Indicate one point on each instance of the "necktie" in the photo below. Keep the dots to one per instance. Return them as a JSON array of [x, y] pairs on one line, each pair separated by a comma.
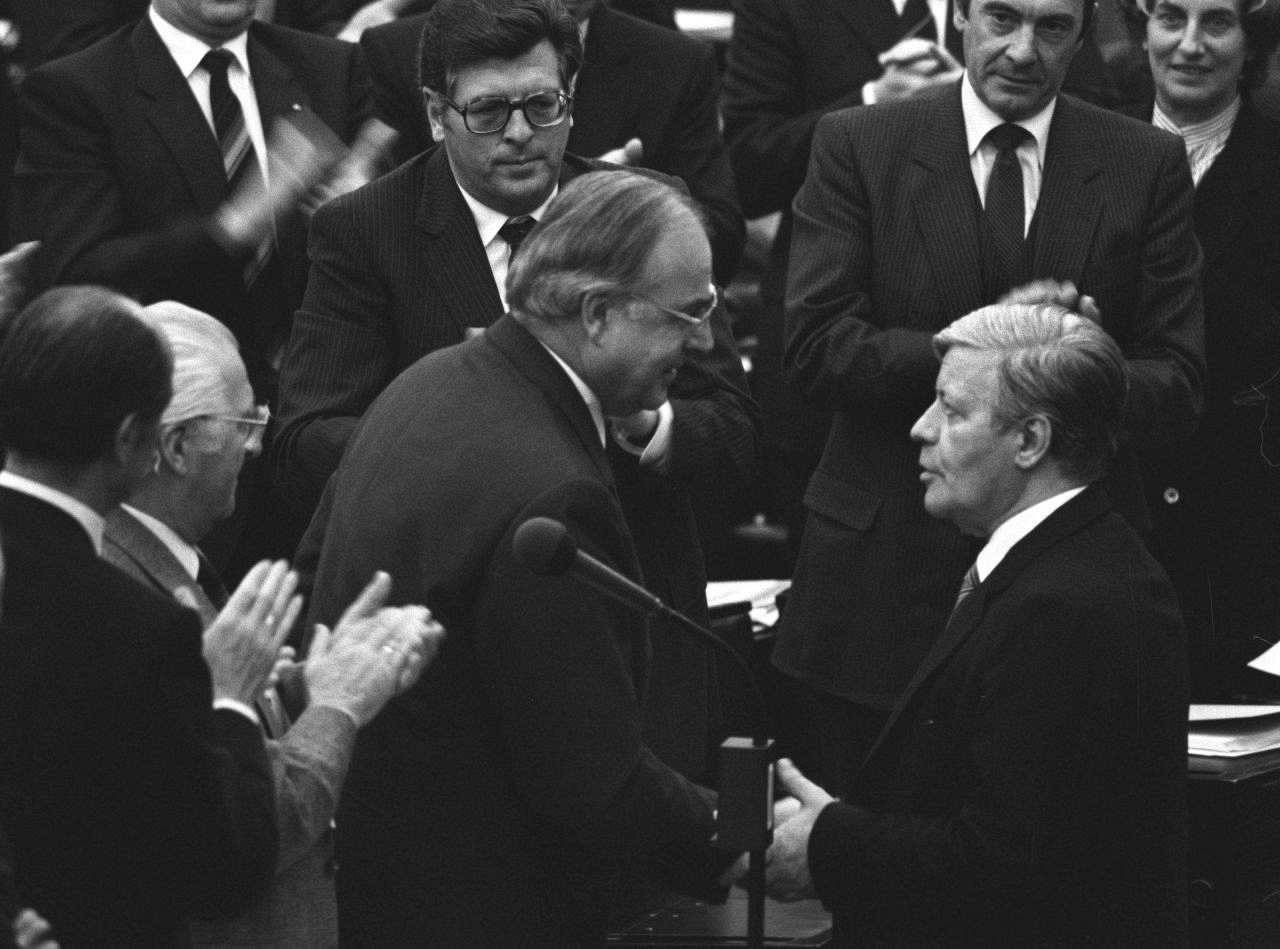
[[239, 160], [1004, 206], [916, 12], [967, 586], [515, 231], [208, 580]]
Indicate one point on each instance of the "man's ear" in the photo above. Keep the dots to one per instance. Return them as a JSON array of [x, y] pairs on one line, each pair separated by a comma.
[[1035, 435], [435, 113], [594, 312], [133, 437], [175, 448]]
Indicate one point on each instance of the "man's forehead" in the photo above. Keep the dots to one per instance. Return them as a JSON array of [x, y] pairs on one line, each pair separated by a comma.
[[967, 372], [538, 68], [1036, 9]]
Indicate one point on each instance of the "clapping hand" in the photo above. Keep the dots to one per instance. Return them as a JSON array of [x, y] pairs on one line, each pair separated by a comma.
[[242, 645]]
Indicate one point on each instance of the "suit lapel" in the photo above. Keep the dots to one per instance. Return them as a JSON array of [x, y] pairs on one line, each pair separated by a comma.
[[135, 541], [173, 112], [277, 89], [455, 260], [944, 206], [1223, 197], [1086, 507], [1071, 198]]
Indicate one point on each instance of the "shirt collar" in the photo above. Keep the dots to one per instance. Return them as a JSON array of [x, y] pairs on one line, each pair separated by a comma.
[[187, 50], [1197, 134], [589, 397], [1017, 527], [979, 119], [85, 516], [185, 553], [489, 221]]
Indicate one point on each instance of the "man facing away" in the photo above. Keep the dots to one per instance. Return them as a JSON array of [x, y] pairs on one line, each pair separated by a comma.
[[1030, 786]]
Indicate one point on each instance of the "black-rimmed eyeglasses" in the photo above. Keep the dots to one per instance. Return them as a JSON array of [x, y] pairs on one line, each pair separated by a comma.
[[489, 114]]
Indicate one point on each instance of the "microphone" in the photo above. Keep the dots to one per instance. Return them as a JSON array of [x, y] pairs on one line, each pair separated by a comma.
[[545, 547]]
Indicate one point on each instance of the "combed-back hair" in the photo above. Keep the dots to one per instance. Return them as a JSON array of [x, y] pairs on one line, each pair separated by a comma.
[[461, 33], [1055, 363], [74, 364], [1086, 15], [596, 237], [207, 369]]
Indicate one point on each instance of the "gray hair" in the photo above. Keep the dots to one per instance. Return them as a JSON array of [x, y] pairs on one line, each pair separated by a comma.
[[207, 368], [596, 237], [1054, 363]]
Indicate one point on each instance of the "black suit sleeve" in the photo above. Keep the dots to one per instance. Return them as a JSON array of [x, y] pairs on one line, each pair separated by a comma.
[[768, 123], [560, 663], [339, 357], [210, 795]]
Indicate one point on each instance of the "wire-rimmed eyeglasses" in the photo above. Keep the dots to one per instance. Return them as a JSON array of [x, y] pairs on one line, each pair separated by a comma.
[[691, 320]]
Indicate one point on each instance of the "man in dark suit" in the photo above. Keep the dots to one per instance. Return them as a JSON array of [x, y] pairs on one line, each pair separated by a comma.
[[644, 96], [499, 801], [135, 790], [912, 213], [791, 62], [418, 259], [206, 431], [122, 177], [1030, 786]]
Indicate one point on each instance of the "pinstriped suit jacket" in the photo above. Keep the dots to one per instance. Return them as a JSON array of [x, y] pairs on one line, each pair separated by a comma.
[[886, 253], [308, 766]]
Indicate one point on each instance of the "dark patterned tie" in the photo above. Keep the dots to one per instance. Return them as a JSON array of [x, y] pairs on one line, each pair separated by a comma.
[[515, 231], [239, 159], [209, 581], [1004, 205], [914, 13], [967, 586]]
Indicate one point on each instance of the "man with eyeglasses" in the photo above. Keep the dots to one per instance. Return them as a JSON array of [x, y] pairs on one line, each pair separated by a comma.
[[206, 430], [499, 801], [418, 260]]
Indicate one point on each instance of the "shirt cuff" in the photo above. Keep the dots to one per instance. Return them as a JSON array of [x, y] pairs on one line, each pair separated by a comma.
[[656, 453], [235, 705]]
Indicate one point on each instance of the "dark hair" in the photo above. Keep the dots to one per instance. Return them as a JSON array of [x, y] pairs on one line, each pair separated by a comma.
[[459, 33], [73, 365], [1055, 363], [596, 237], [1260, 23], [1086, 17]]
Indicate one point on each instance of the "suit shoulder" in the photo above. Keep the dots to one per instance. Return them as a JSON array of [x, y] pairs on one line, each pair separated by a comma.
[[287, 39], [641, 36], [575, 165], [1120, 131], [399, 36], [397, 191]]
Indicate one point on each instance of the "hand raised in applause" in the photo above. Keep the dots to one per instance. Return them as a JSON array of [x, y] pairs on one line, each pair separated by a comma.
[[374, 653], [1061, 292], [32, 931], [242, 645]]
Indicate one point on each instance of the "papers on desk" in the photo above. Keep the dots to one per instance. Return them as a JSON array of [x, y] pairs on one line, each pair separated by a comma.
[[1231, 731], [761, 594]]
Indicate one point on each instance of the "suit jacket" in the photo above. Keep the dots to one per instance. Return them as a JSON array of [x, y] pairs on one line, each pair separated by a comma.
[[637, 80], [119, 172], [1216, 500], [791, 62], [887, 252], [498, 800], [131, 803], [308, 765], [398, 271], [1030, 786]]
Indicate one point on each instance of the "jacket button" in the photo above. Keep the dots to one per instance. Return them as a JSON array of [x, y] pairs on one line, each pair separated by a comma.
[[1171, 496]]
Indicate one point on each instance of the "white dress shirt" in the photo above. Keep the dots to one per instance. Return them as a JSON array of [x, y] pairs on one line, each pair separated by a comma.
[[1016, 528], [488, 223], [187, 51], [85, 516], [979, 120]]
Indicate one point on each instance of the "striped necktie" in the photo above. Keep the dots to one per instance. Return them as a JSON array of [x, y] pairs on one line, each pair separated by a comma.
[[967, 586], [239, 159]]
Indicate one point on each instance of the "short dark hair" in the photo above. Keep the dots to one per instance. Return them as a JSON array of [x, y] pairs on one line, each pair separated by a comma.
[[73, 365], [596, 237], [1086, 17], [1055, 363], [1259, 20], [459, 33]]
